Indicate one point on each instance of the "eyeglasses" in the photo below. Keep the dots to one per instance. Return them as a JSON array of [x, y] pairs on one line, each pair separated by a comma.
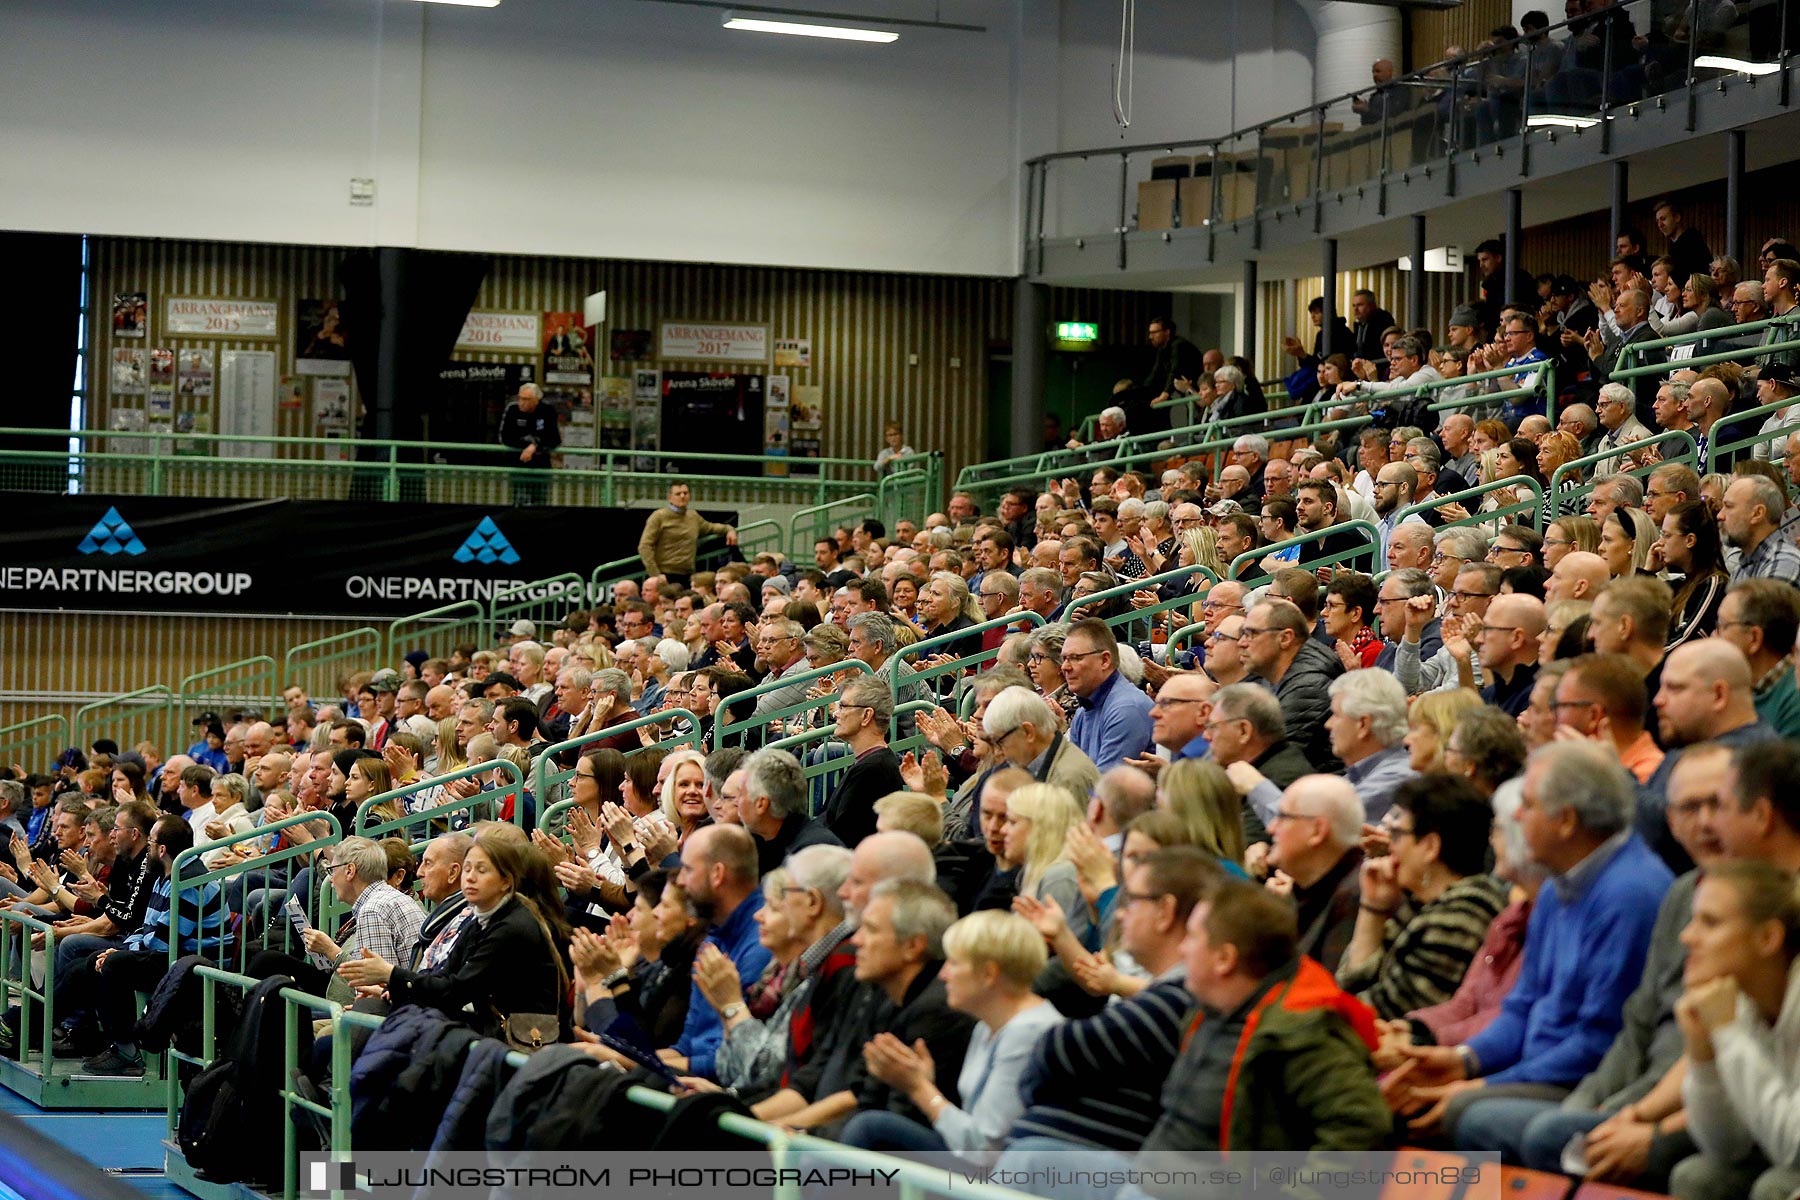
[[998, 738], [1558, 705], [1484, 630], [1559, 541], [1396, 832], [1282, 814], [1126, 896], [1461, 595], [1077, 656], [1250, 633], [1216, 636], [1172, 701], [1442, 555]]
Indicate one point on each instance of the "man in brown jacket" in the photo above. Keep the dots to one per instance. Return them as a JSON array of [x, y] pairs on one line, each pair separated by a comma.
[[672, 534]]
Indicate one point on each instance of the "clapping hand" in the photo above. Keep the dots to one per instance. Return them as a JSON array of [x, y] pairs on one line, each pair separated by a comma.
[[1096, 975], [717, 977], [574, 877], [367, 970], [901, 1067], [551, 848], [617, 823], [594, 956], [1094, 867]]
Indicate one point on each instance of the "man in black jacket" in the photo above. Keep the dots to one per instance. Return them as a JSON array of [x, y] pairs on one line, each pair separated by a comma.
[[899, 951], [864, 711], [529, 426], [1369, 321], [772, 806]]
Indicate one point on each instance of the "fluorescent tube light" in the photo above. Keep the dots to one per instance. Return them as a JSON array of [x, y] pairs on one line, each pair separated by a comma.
[[1721, 62], [842, 33], [466, 3], [1561, 121]]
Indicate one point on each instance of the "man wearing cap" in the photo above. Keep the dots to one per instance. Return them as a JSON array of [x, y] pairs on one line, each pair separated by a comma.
[[386, 686], [520, 631], [1776, 383], [671, 537], [209, 751]]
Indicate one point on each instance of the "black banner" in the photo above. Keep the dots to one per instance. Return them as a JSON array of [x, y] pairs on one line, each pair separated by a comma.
[[325, 557]]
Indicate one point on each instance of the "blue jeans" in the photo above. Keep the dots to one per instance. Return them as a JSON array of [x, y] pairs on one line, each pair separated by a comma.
[[1501, 1123], [889, 1131]]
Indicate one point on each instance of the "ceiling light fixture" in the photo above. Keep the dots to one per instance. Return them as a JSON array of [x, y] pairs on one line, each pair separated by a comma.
[[466, 3], [731, 19], [1561, 121], [1722, 62]]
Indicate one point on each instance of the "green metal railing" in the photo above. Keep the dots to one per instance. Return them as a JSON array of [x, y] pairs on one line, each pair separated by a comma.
[[1621, 374], [1570, 499], [316, 665], [1637, 349], [733, 732], [145, 714], [1127, 625], [464, 620], [1528, 508], [1716, 450], [927, 677], [249, 682], [483, 805], [319, 903], [549, 778], [19, 744], [810, 524], [1371, 548], [139, 462], [900, 495]]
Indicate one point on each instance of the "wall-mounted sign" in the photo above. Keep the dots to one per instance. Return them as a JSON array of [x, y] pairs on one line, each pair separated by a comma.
[[195, 316], [501, 331], [1443, 260], [793, 352], [694, 341], [1077, 331]]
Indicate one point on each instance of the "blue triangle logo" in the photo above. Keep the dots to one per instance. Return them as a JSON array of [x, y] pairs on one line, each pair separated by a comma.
[[111, 535], [486, 545]]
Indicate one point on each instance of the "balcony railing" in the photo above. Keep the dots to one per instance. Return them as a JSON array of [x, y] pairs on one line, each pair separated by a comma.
[[1580, 75]]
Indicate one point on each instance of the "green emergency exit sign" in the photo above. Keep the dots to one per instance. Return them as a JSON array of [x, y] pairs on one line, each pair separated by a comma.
[[1077, 331]]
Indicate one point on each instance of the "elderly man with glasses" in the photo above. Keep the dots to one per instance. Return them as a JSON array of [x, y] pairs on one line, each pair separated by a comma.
[[1616, 407], [1473, 589]]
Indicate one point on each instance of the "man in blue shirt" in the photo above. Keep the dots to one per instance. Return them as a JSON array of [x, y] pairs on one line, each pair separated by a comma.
[[196, 924], [1113, 722], [1584, 952], [718, 876]]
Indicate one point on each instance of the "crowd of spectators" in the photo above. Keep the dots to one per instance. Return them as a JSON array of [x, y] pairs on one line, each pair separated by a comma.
[[1254, 854]]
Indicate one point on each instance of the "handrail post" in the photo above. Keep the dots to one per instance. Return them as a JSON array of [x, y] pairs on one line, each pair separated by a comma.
[[1605, 90], [1124, 185], [1693, 53], [1524, 133], [393, 474], [156, 464], [1782, 55], [1547, 379], [1381, 162], [1318, 177], [608, 489], [1217, 204]]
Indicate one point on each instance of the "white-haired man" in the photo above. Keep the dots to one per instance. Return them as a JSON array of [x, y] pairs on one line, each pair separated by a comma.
[[773, 807], [1315, 850], [1020, 725], [1366, 725]]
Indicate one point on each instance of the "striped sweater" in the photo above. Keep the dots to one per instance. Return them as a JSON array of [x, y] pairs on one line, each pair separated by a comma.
[[200, 925], [1098, 1081], [1426, 948]]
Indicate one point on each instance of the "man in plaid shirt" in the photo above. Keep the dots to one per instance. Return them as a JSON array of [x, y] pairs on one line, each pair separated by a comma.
[[1750, 516]]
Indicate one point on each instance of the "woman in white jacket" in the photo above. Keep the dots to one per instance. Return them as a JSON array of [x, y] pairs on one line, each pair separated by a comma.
[[1740, 1018]]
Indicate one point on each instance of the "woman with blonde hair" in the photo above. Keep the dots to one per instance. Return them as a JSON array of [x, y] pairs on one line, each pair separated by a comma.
[[449, 757], [1556, 449], [1566, 535], [990, 961], [1430, 721], [1626, 539], [1038, 819], [946, 607], [1203, 797], [684, 792]]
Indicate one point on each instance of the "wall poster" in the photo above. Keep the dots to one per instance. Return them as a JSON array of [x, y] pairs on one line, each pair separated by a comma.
[[646, 416], [293, 393], [162, 370], [130, 314], [568, 365], [776, 434], [130, 370], [320, 345], [195, 371], [793, 352], [614, 402], [806, 422], [129, 420]]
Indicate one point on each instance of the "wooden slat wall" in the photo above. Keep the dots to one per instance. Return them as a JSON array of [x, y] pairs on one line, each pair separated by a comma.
[[1467, 25], [1277, 318], [1582, 246], [864, 326], [246, 271]]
